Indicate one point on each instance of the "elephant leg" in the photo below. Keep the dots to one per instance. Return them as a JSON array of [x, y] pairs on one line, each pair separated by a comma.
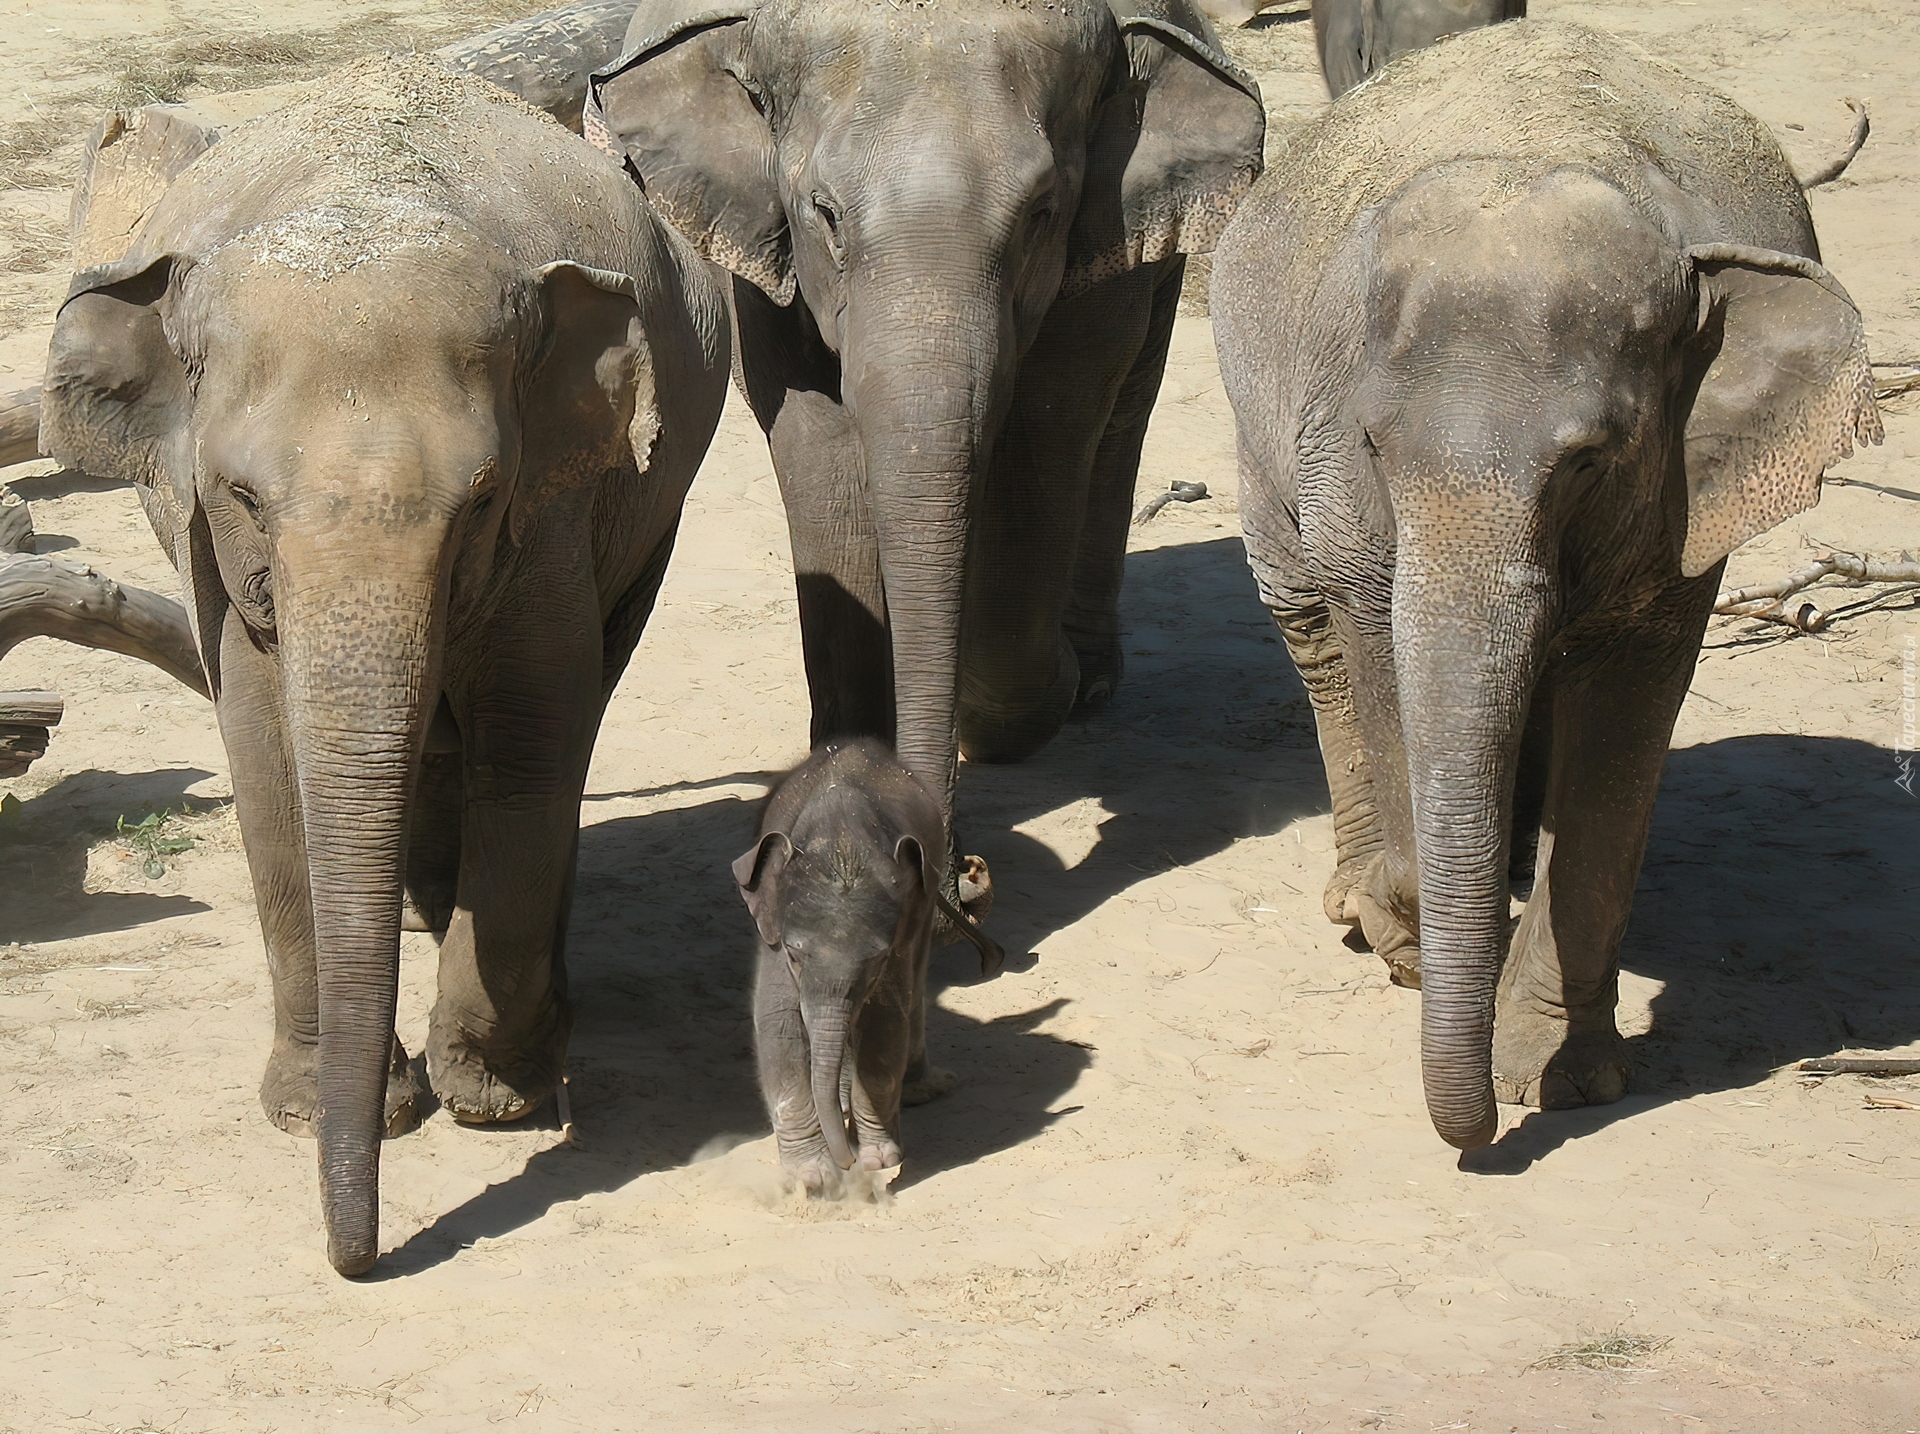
[[782, 1053], [923, 1080], [1092, 621], [267, 798], [1358, 836], [883, 1032], [1019, 673], [1555, 1043], [1384, 898], [529, 705]]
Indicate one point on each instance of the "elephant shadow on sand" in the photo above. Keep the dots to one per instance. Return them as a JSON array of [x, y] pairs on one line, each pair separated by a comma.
[[43, 858], [1776, 910]]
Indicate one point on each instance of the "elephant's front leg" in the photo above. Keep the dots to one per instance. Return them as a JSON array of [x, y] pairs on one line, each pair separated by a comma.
[[882, 1033], [1019, 673], [267, 797], [781, 1050], [1555, 1043], [528, 705]]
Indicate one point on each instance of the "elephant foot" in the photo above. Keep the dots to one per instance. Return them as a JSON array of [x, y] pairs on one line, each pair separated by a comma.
[[1392, 940], [1101, 665], [1013, 720], [879, 1155], [290, 1090], [1541, 1060], [481, 1086], [926, 1082], [1340, 900]]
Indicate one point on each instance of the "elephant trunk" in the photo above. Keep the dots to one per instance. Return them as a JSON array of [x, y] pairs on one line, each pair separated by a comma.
[[1468, 636], [827, 1023], [926, 418], [360, 659]]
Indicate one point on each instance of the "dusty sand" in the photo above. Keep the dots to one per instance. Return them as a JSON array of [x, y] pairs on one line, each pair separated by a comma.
[[1187, 1183]]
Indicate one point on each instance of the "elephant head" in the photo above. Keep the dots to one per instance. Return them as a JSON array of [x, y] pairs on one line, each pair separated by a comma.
[[1551, 433], [336, 419], [930, 180]]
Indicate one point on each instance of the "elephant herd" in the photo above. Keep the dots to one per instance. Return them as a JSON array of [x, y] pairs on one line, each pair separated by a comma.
[[1523, 335]]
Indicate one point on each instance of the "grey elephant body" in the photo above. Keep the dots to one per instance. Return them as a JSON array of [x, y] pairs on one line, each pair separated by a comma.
[[957, 233], [1357, 37], [844, 885], [1522, 338], [413, 385]]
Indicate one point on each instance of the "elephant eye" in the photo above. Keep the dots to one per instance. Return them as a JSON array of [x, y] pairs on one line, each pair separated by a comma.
[[830, 222], [247, 500]]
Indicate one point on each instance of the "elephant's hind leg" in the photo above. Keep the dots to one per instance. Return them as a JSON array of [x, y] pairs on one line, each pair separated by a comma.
[[1092, 621]]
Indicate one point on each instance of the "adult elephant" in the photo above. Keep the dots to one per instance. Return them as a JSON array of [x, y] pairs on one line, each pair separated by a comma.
[[413, 384], [957, 233], [1357, 37], [1527, 337]]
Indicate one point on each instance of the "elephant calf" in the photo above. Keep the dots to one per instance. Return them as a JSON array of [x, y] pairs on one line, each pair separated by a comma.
[[1529, 332], [843, 885], [413, 384]]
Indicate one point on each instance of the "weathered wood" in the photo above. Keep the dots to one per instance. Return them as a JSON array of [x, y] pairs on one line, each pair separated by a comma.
[[546, 58], [16, 523], [44, 597], [19, 426], [1860, 1065], [31, 709]]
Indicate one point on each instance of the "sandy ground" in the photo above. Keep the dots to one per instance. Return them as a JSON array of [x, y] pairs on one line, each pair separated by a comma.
[[1187, 1183]]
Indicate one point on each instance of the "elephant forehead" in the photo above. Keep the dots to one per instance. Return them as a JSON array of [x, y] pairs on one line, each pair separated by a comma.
[[313, 294], [1555, 268], [934, 37]]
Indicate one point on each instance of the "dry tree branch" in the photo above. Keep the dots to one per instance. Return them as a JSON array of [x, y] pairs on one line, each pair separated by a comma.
[[1767, 601]]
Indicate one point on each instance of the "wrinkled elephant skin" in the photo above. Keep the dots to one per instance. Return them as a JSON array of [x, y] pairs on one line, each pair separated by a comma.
[[412, 384], [1531, 332]]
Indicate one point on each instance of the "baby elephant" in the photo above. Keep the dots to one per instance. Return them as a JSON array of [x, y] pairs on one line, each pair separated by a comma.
[[843, 885]]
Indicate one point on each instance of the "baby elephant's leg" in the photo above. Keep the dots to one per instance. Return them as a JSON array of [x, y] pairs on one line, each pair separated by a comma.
[[882, 1035], [780, 1047]]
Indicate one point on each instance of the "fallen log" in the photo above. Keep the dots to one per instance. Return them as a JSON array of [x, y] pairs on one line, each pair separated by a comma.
[[44, 597], [20, 426], [16, 523], [546, 58], [25, 718], [1860, 1065]]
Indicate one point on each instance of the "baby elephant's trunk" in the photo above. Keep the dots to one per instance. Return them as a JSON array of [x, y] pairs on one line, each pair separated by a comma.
[[827, 1048]]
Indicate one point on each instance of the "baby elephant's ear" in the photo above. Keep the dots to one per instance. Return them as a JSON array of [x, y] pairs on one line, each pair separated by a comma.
[[758, 874], [1786, 391], [911, 854]]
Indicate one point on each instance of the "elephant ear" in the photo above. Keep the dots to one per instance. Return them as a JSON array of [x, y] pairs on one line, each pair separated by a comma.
[[681, 111], [1787, 391], [758, 876], [590, 401], [117, 400], [1174, 146], [132, 157]]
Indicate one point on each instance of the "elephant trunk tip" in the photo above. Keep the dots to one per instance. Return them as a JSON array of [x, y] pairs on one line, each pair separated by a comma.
[[352, 1256], [1466, 1124]]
